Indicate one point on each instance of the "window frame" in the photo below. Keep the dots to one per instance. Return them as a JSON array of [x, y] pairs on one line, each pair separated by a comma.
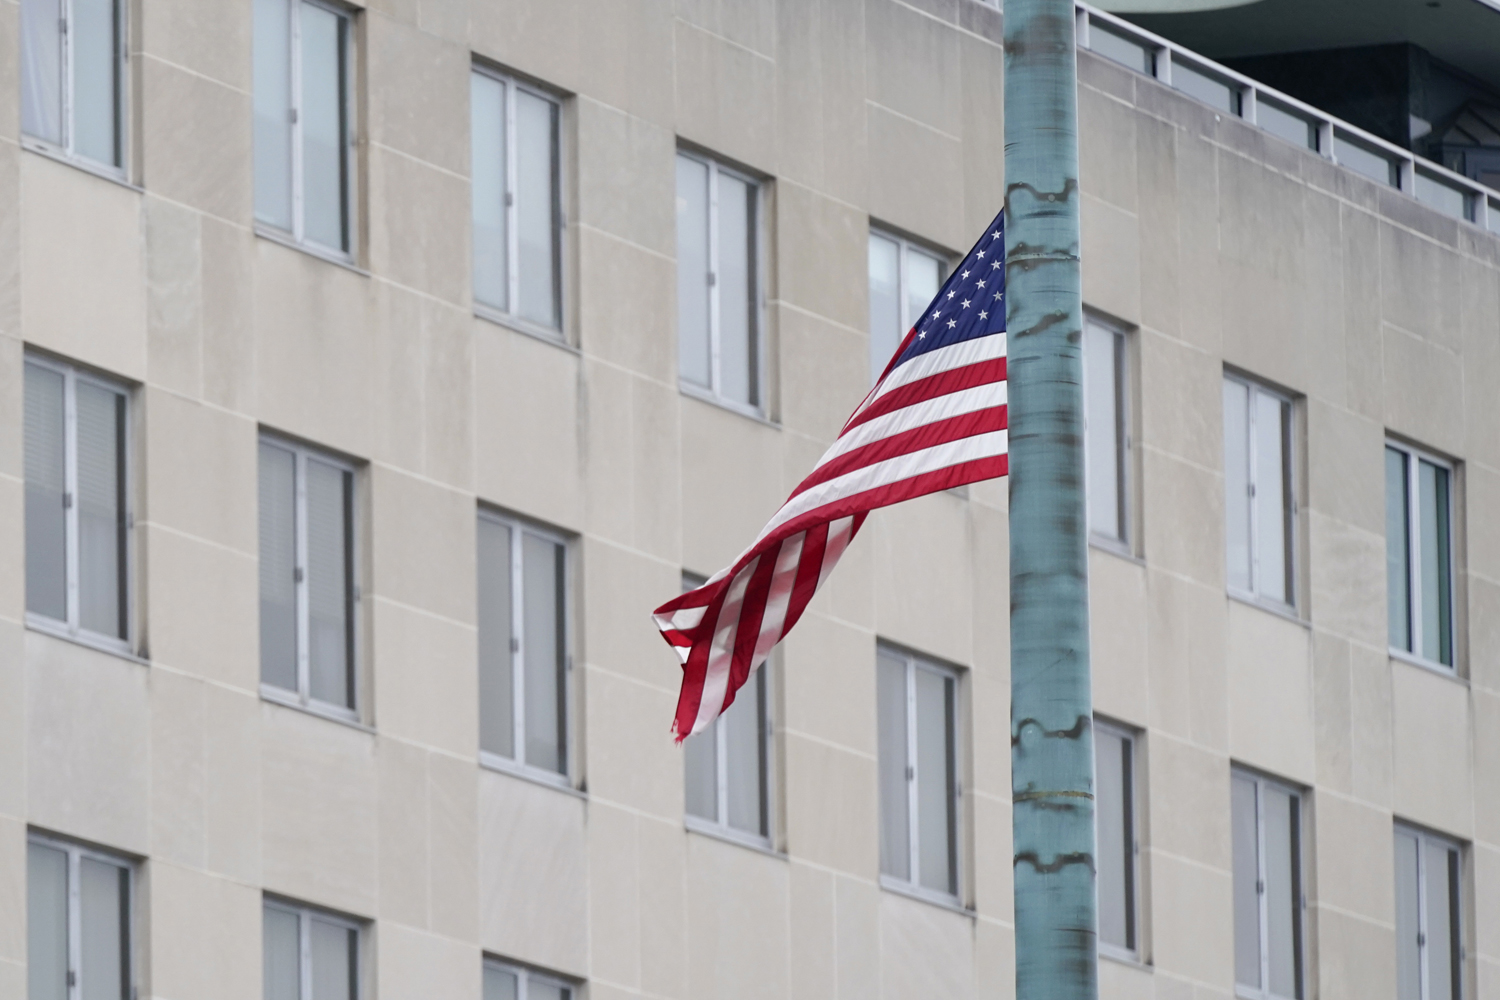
[[75, 853], [1424, 839], [302, 698], [305, 915], [1290, 460], [913, 886], [713, 392], [72, 628], [904, 246], [525, 975], [510, 317], [517, 765], [1132, 738], [67, 151], [1299, 868], [1414, 457], [1124, 543]]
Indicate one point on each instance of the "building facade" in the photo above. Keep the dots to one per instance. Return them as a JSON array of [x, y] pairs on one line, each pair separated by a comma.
[[369, 371]]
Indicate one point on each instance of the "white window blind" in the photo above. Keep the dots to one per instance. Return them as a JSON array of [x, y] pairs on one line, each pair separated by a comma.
[[308, 954], [1258, 504], [1419, 553], [1266, 827], [1429, 949], [78, 904], [904, 279], [72, 61]]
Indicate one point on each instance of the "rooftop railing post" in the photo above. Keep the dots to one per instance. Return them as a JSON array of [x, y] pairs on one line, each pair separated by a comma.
[[1052, 745]]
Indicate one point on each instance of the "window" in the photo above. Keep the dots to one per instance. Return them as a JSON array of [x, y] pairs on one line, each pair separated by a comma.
[[1114, 804], [307, 574], [904, 280], [517, 201], [1106, 431], [1258, 507], [78, 923], [72, 57], [1267, 828], [303, 133], [1429, 953], [509, 982], [523, 644], [917, 702], [718, 281], [1419, 553], [308, 954], [77, 513]]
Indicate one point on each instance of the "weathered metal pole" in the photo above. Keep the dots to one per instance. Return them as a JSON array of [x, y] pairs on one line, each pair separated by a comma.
[[1052, 739]]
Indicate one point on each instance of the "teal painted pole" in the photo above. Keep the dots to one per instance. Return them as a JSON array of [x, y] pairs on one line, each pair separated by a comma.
[[1052, 738]]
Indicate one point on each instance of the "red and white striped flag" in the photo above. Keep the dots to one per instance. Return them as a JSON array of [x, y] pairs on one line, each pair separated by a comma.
[[935, 419]]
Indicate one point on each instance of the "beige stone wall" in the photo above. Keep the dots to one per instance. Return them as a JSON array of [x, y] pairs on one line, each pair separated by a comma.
[[1218, 245]]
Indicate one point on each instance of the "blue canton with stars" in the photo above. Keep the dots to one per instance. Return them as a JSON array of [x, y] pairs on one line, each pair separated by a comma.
[[972, 301]]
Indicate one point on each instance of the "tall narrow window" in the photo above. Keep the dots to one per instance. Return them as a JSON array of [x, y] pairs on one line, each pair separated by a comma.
[[1260, 526], [77, 517], [917, 703], [1429, 950], [78, 923], [307, 581], [303, 133], [1267, 827], [511, 982], [1419, 553], [1106, 431], [307, 954], [517, 200], [904, 279], [718, 281], [72, 56], [523, 644], [1114, 804]]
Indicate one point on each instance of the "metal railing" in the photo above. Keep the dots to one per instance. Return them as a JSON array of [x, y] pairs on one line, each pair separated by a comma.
[[1287, 118]]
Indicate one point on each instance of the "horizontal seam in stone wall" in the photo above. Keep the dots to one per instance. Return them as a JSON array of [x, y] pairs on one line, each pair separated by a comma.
[[915, 121], [152, 57]]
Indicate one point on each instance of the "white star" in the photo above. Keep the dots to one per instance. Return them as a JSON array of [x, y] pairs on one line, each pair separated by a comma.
[[981, 284], [966, 303], [983, 314], [935, 314], [922, 334], [980, 255], [950, 295], [994, 264], [966, 274], [995, 234], [952, 324], [997, 295]]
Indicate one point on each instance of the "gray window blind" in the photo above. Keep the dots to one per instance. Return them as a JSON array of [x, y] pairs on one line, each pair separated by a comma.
[[278, 567], [322, 115], [537, 206], [1114, 805], [273, 113], [917, 704], [46, 494], [78, 924], [543, 644], [101, 510], [1105, 430], [281, 957], [1266, 825], [487, 101], [330, 583], [694, 342], [46, 923], [496, 684]]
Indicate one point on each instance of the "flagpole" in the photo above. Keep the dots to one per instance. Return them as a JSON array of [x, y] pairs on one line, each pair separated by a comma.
[[1052, 740]]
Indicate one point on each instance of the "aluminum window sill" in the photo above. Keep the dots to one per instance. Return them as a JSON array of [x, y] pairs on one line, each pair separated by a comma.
[[546, 335], [289, 699], [1282, 611], [99, 644], [1116, 548], [1431, 666], [748, 412], [537, 776], [695, 824], [941, 900], [115, 175], [274, 235], [1122, 957]]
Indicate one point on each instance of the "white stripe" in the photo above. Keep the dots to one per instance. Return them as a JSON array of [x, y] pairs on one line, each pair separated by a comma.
[[721, 654], [686, 618], [943, 359], [929, 411], [839, 533], [778, 597]]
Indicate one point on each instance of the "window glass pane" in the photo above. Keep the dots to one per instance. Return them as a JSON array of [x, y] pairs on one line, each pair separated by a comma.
[[1408, 955], [1215, 93], [101, 510], [1285, 124], [322, 113], [1437, 577], [103, 895], [331, 950], [544, 991], [935, 813], [543, 645], [1442, 950], [1102, 431], [499, 984], [895, 843], [692, 272], [1441, 195], [46, 923], [701, 756], [1237, 482], [1283, 903], [1121, 50], [273, 113], [736, 280], [744, 751], [924, 275], [885, 303], [46, 517], [1397, 551], [278, 567], [281, 960], [1116, 843], [487, 119], [330, 579], [1246, 874], [1272, 497], [96, 80], [536, 208], [496, 680], [41, 69], [1363, 160]]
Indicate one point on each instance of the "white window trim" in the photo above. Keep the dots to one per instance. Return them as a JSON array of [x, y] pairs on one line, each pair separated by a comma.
[[1299, 941], [1124, 402], [913, 886], [305, 915], [720, 827], [524, 977], [1289, 461], [1414, 457], [903, 247], [75, 854], [66, 150], [517, 765], [1132, 804], [510, 317], [1424, 953], [713, 392], [71, 628], [302, 697]]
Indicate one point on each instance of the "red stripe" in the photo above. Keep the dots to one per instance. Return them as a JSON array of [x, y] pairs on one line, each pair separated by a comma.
[[752, 611], [941, 384], [926, 436]]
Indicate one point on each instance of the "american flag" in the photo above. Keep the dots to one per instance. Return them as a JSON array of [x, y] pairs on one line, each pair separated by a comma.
[[935, 419]]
